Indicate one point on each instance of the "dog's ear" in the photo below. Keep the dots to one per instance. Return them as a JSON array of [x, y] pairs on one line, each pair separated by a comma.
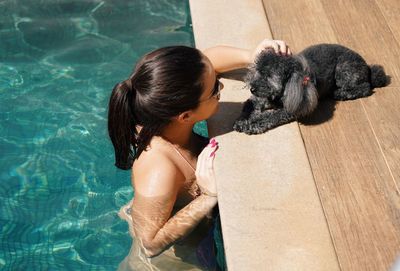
[[293, 96], [300, 96]]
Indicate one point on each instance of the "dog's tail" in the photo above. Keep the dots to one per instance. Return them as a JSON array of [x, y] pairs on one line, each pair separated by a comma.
[[378, 77]]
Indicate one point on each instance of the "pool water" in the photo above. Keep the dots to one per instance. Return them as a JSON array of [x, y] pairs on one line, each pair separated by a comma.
[[59, 189]]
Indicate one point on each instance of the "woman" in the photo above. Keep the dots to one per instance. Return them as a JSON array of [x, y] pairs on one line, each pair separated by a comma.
[[150, 121]]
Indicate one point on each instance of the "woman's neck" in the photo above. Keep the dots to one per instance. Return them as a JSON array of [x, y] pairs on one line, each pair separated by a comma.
[[179, 134]]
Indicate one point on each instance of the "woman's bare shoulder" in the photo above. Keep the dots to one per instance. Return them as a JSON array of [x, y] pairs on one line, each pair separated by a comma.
[[155, 173]]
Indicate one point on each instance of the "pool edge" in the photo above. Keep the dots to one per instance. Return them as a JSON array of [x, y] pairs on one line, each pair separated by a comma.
[[282, 199]]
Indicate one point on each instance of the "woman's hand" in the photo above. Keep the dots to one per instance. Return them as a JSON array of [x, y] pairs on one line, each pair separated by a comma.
[[279, 46], [205, 169]]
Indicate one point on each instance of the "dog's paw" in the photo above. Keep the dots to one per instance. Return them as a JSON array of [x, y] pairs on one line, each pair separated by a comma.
[[248, 127], [241, 125]]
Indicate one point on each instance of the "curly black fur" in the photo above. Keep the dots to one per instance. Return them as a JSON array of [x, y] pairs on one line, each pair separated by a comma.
[[286, 88]]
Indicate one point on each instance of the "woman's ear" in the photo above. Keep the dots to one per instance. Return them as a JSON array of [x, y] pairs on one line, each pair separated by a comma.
[[184, 117]]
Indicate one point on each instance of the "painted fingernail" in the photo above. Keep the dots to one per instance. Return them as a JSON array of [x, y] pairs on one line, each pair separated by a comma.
[[212, 154], [212, 140]]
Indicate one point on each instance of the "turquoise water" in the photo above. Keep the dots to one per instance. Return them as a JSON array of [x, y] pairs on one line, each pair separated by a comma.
[[59, 189]]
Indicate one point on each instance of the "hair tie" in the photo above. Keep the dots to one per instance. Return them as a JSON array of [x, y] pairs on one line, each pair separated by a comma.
[[128, 87], [128, 90], [128, 83], [306, 79]]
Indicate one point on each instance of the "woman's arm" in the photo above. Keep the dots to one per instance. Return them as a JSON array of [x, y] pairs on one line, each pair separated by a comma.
[[156, 231], [226, 58]]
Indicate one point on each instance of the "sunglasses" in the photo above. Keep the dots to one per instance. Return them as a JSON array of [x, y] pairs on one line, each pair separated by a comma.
[[216, 91]]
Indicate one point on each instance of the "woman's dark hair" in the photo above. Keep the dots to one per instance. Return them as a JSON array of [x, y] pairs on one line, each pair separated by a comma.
[[164, 83]]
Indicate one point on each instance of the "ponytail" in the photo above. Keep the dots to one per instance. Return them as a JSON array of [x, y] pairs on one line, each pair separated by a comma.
[[122, 124]]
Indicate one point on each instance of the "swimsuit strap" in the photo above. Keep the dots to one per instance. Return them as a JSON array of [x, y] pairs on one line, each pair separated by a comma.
[[181, 155]]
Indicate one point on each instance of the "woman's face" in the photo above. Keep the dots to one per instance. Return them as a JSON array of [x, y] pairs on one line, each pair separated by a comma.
[[208, 105]]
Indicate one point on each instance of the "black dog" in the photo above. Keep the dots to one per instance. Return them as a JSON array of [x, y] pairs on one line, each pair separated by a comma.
[[285, 88]]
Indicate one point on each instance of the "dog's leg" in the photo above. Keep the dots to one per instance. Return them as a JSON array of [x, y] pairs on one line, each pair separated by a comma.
[[352, 81], [253, 105], [272, 119], [260, 122], [248, 107], [352, 92], [256, 104], [261, 104]]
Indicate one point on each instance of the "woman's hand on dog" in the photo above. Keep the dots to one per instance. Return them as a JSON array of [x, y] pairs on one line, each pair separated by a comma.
[[279, 46]]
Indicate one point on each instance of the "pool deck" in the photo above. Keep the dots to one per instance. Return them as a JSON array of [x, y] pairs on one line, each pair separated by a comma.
[[322, 194]]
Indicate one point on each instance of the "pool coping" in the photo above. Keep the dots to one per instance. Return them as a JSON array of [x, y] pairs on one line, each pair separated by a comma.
[[279, 214]]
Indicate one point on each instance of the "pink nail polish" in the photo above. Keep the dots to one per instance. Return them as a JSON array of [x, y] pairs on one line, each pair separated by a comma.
[[212, 140]]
